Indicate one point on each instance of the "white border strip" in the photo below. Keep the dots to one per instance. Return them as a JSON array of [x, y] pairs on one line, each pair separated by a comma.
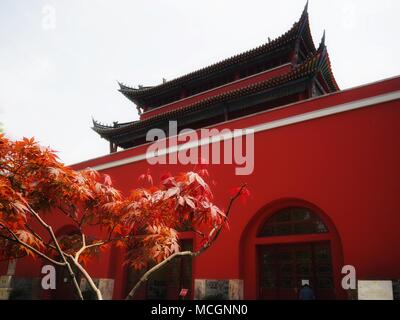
[[363, 103]]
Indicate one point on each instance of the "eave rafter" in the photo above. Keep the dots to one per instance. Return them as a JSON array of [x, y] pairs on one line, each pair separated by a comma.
[[318, 64]]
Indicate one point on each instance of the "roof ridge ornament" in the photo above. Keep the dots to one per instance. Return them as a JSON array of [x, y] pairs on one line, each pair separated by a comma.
[[303, 19], [322, 44], [304, 14], [121, 85], [322, 52], [305, 11]]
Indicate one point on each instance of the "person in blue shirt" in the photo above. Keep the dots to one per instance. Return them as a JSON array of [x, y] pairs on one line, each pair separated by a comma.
[[306, 292]]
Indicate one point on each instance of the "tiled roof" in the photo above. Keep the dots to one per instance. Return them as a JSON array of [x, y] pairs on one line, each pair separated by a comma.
[[319, 62], [299, 29]]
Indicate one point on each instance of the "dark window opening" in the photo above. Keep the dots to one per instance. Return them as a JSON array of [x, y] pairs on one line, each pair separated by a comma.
[[166, 283], [292, 221]]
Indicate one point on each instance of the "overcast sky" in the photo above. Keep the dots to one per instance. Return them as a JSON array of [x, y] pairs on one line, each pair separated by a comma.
[[60, 60]]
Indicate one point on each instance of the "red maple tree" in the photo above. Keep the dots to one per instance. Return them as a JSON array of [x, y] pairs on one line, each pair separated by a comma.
[[34, 184]]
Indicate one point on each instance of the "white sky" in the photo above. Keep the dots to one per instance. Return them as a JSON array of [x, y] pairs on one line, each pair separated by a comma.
[[52, 81]]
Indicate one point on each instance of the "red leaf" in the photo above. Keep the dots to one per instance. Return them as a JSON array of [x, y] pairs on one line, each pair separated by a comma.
[[146, 177], [165, 176], [171, 192], [107, 180], [190, 203], [19, 206]]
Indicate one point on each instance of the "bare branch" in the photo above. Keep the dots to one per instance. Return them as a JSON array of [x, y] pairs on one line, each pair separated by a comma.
[[201, 234], [60, 251], [149, 272], [79, 252], [29, 247], [218, 229], [33, 232], [95, 244], [87, 277]]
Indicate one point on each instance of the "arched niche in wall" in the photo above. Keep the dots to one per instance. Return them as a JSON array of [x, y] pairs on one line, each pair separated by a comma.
[[286, 242]]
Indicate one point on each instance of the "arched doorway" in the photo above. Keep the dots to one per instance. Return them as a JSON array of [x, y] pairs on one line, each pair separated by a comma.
[[286, 243], [283, 267]]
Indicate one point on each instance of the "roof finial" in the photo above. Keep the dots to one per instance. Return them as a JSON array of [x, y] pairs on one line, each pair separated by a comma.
[[322, 45], [303, 19], [323, 52], [121, 85], [305, 11]]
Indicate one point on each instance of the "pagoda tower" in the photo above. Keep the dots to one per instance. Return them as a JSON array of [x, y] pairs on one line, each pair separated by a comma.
[[282, 71]]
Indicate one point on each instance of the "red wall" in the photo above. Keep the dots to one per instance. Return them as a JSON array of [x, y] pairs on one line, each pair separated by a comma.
[[344, 165]]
